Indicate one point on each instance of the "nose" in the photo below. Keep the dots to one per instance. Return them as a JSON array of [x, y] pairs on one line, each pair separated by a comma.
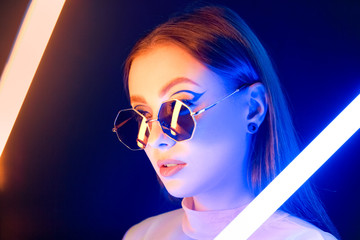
[[158, 139]]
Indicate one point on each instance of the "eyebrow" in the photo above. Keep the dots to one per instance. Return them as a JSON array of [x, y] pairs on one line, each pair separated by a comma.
[[137, 99], [174, 82], [165, 89]]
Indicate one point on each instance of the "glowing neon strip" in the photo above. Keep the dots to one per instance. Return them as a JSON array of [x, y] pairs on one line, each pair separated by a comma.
[[297, 172], [33, 36]]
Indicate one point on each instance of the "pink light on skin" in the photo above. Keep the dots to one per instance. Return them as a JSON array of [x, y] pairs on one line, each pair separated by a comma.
[[33, 36], [295, 174]]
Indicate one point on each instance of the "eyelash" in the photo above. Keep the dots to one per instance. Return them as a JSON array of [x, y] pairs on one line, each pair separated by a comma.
[[187, 102], [148, 115], [145, 113]]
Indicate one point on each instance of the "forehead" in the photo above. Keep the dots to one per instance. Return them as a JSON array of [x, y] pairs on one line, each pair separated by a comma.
[[170, 68]]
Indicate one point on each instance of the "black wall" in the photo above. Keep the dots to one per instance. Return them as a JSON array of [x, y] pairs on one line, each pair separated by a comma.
[[67, 175]]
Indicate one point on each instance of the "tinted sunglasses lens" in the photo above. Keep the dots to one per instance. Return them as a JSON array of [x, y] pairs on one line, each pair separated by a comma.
[[176, 120], [132, 129]]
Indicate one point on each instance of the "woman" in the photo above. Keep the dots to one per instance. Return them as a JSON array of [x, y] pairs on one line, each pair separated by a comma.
[[208, 110]]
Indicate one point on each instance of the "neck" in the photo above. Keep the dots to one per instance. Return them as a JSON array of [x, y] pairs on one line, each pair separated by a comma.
[[221, 199]]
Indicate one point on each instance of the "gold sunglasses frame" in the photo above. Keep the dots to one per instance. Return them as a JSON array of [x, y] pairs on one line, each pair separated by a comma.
[[192, 114]]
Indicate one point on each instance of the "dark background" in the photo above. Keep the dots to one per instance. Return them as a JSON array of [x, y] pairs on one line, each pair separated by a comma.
[[68, 177]]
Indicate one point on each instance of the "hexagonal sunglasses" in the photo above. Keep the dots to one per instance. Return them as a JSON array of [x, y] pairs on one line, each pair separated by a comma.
[[176, 119]]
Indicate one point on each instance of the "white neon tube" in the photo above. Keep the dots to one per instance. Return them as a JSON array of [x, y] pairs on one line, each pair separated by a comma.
[[30, 44], [295, 174]]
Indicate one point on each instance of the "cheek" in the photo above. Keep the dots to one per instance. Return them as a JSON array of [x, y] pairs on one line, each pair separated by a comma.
[[151, 156], [224, 127], [220, 142]]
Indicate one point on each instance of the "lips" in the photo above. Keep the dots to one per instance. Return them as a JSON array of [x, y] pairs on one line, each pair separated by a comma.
[[170, 167]]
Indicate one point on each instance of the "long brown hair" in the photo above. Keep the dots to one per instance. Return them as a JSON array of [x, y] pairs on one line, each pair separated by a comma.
[[222, 41]]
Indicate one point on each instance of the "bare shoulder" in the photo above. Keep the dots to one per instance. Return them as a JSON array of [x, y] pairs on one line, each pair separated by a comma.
[[150, 227]]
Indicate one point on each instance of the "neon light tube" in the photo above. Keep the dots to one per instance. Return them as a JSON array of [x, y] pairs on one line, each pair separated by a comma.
[[295, 174], [30, 44]]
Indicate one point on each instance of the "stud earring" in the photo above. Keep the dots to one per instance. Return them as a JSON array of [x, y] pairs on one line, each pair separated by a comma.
[[252, 128]]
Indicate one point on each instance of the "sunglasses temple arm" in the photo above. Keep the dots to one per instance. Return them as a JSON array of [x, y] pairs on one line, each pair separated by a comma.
[[212, 105]]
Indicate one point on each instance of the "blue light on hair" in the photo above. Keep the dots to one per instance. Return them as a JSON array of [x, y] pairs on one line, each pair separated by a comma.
[[294, 175]]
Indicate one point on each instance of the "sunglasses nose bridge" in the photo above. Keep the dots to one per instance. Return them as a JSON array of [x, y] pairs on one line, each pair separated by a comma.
[[157, 137]]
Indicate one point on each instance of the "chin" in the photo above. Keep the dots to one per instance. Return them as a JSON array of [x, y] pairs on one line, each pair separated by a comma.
[[178, 189], [175, 188]]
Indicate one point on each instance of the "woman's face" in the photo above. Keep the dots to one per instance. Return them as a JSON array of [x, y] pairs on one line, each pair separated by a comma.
[[214, 160]]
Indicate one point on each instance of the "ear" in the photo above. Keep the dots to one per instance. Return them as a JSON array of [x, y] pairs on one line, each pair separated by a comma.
[[257, 103]]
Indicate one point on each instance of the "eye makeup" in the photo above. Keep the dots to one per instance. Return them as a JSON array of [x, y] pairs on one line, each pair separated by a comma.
[[194, 98], [144, 110], [186, 96]]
